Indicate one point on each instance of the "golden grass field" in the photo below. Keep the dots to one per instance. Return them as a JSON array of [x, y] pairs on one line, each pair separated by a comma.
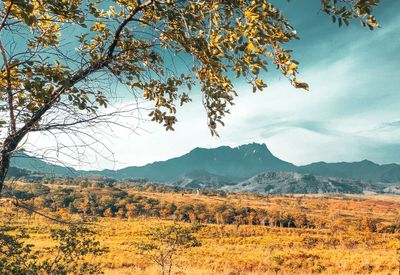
[[344, 246]]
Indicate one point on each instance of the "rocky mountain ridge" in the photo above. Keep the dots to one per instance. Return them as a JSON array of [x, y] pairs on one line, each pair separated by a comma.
[[251, 168]]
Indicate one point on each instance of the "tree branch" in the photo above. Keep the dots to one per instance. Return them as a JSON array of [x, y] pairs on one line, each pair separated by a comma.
[[3, 22], [78, 76], [10, 102], [123, 24]]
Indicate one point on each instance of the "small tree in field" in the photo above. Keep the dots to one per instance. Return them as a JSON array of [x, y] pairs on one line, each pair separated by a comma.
[[59, 58], [164, 243]]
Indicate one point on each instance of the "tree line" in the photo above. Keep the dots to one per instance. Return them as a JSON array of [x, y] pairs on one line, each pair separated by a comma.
[[119, 203]]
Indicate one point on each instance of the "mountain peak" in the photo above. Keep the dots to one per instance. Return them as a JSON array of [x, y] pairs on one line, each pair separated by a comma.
[[254, 145], [366, 161]]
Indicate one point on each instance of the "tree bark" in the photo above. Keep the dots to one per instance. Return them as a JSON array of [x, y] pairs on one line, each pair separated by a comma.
[[4, 165], [7, 150]]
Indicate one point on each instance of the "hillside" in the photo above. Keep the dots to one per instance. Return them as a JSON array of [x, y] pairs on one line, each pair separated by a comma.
[[296, 183], [363, 170], [26, 162], [241, 162], [15, 172], [201, 179]]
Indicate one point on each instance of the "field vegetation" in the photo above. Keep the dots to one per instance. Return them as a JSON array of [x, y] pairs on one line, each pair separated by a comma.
[[213, 232]]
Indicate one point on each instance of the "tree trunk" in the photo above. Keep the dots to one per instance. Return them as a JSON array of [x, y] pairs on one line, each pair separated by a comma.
[[4, 165], [7, 150]]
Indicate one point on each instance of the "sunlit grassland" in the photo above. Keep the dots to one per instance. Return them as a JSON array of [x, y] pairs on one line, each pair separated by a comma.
[[250, 249]]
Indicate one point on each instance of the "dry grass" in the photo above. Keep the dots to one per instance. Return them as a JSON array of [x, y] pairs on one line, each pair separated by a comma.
[[248, 249]]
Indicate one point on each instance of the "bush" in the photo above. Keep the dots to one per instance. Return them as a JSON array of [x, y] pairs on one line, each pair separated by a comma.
[[74, 245]]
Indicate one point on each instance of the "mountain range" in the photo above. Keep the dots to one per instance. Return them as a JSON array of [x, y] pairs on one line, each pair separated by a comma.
[[237, 169]]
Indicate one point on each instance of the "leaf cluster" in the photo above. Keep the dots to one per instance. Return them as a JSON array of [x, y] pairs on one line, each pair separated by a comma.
[[342, 11], [70, 52]]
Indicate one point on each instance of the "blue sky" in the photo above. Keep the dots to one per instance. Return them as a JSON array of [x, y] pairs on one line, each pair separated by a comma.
[[351, 112]]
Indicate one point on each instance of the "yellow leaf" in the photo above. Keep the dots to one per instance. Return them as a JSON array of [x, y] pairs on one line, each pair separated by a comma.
[[251, 47], [300, 85], [291, 68]]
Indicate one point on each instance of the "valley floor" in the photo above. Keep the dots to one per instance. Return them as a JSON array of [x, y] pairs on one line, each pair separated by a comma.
[[351, 236]]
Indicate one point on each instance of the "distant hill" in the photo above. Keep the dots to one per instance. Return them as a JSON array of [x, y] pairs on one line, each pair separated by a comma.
[[26, 162], [363, 170], [15, 172], [225, 166], [296, 183], [202, 179]]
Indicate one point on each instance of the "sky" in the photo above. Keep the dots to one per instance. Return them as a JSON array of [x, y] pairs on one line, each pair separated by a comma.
[[351, 112]]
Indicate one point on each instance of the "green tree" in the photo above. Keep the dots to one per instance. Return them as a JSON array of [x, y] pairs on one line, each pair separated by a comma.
[[163, 243], [59, 57]]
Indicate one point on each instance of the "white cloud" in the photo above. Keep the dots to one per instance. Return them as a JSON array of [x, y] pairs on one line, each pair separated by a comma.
[[354, 94]]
